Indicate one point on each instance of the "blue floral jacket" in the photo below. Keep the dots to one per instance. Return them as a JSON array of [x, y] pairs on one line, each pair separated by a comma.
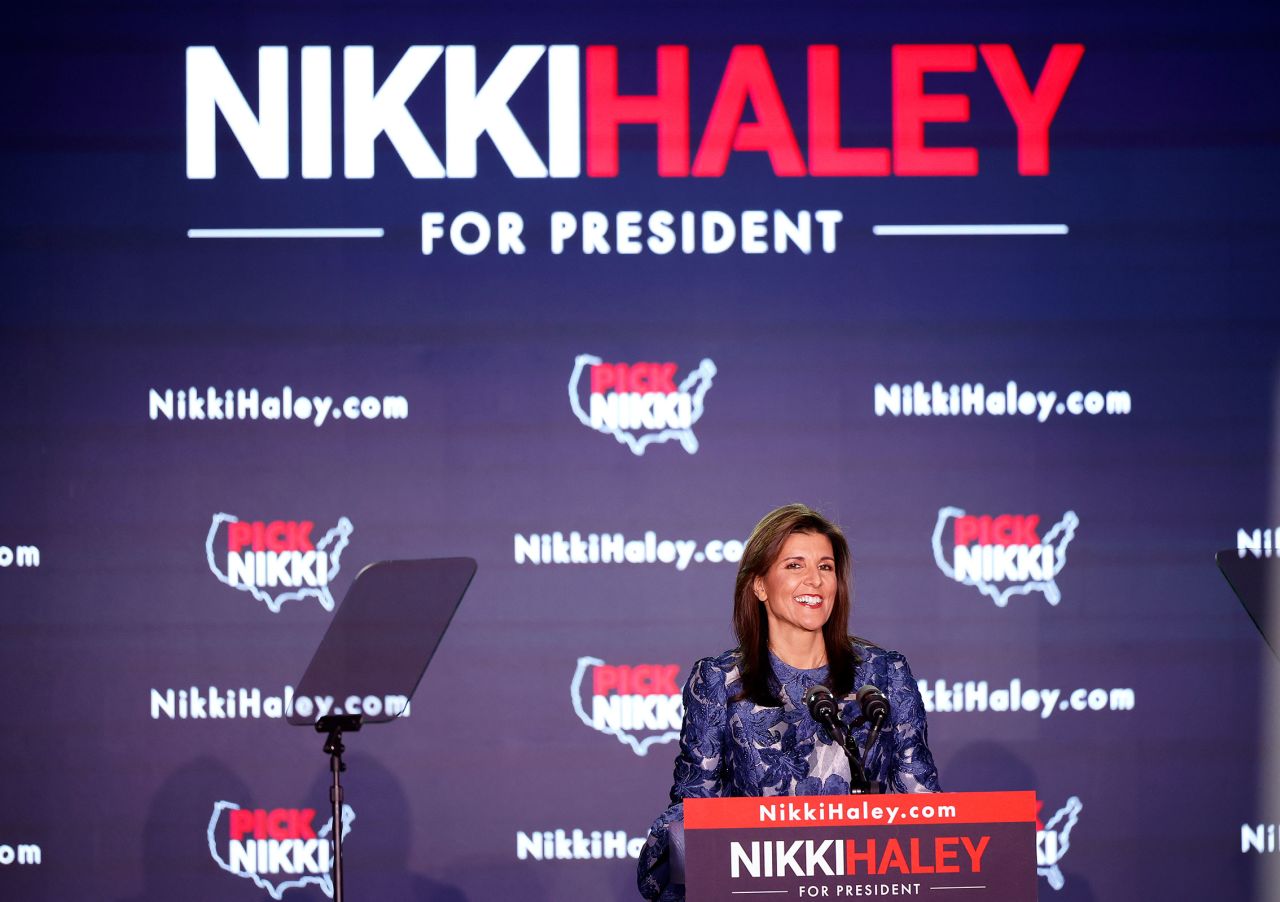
[[742, 749]]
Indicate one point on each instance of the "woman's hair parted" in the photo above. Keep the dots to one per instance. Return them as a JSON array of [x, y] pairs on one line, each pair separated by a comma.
[[751, 624]]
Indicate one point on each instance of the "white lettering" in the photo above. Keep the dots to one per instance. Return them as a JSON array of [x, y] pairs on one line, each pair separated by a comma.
[[368, 113], [264, 138], [470, 113]]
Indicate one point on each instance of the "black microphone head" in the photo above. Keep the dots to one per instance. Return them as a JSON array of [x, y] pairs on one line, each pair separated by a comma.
[[874, 704], [820, 702]]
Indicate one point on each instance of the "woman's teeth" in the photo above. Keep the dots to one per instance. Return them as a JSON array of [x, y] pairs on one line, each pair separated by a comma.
[[809, 601]]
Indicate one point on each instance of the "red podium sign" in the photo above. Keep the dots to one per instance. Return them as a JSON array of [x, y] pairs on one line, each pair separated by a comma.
[[974, 845]]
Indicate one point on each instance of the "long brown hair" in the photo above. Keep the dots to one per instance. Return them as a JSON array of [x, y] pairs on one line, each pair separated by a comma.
[[751, 624]]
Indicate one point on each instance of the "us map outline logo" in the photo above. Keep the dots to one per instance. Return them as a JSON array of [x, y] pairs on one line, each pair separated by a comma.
[[639, 746], [276, 890], [694, 387], [330, 546], [1062, 533]]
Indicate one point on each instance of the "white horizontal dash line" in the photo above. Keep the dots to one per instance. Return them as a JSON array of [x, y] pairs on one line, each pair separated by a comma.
[[991, 229], [983, 886], [285, 233]]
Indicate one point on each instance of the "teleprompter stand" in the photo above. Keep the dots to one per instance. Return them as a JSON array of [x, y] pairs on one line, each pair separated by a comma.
[[335, 725], [373, 656]]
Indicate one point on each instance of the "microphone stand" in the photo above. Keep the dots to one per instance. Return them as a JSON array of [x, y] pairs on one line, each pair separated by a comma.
[[858, 784], [334, 724], [823, 708], [871, 741]]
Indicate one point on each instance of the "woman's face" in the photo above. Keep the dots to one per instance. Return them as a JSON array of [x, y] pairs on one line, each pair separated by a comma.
[[799, 588]]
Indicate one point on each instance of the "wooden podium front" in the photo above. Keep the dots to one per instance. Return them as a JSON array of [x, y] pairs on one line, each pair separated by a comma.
[[948, 847]]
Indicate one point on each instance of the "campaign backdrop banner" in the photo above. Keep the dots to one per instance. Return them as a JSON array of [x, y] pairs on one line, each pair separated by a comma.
[[581, 291]]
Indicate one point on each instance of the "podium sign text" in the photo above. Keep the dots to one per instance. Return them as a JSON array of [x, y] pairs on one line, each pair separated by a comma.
[[978, 845]]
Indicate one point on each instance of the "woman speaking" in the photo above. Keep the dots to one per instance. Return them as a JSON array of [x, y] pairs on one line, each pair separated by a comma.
[[747, 728]]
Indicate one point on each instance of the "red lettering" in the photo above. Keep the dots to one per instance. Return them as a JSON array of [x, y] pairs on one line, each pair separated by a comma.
[[302, 823], [604, 679], [1032, 111], [975, 852], [893, 857], [826, 156], [279, 536], [241, 822], [664, 682], [640, 378], [944, 852], [852, 856], [918, 866], [239, 534], [302, 536], [966, 530], [641, 680], [601, 378], [1003, 529], [912, 108], [668, 109], [1025, 533], [280, 823], [1006, 529], [635, 377], [747, 76]]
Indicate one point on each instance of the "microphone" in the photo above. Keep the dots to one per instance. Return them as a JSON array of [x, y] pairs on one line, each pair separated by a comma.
[[875, 707], [822, 705]]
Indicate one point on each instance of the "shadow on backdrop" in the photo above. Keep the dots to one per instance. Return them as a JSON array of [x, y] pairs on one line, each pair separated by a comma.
[[175, 848], [991, 767], [375, 854]]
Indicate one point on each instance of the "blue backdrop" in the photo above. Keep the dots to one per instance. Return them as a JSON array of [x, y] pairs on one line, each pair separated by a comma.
[[183, 406]]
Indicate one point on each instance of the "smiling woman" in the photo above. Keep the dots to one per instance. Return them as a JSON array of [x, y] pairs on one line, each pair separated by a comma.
[[747, 730], [791, 598], [798, 591]]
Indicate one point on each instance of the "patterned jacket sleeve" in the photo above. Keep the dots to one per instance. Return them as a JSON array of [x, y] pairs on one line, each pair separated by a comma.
[[912, 768], [698, 774]]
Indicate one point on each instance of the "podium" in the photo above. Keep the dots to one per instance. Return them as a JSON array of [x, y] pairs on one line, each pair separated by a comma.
[[974, 845]]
